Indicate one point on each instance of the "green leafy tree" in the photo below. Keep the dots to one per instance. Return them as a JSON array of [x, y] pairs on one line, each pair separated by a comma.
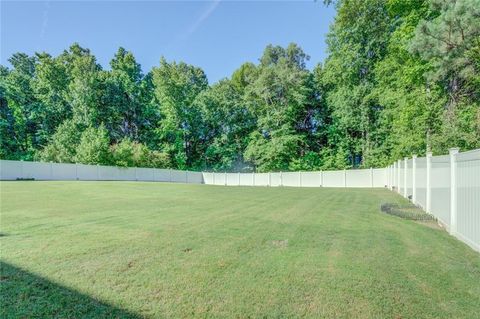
[[450, 41], [356, 42], [176, 87], [62, 147], [8, 145], [225, 128], [126, 98], [94, 146], [50, 85], [22, 107], [277, 98], [84, 89]]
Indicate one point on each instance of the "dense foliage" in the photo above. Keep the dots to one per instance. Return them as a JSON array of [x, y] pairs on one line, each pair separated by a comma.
[[402, 77]]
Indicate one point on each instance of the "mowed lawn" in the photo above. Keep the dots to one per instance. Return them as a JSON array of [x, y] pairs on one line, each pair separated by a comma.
[[158, 250]]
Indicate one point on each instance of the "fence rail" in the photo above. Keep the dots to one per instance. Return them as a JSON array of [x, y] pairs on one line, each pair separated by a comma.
[[447, 186]]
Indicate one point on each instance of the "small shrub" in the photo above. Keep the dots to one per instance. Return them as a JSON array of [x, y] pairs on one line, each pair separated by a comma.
[[411, 212]]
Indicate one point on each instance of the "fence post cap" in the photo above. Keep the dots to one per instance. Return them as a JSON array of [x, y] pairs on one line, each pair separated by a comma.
[[429, 154], [453, 150], [414, 156], [406, 158]]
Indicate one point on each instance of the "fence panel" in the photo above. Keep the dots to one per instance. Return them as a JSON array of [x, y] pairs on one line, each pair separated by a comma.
[[10, 170], [291, 179], [144, 174], [358, 178], [401, 178], [311, 179], [440, 184], [421, 181], [333, 178], [219, 179], [261, 179], [208, 178], [409, 177], [161, 175], [108, 173], [178, 176], [232, 179], [195, 177], [87, 172], [379, 177], [275, 179], [64, 171], [37, 170], [468, 197], [126, 174], [246, 179]]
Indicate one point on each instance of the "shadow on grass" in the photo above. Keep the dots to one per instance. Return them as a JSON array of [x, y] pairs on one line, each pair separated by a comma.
[[25, 295]]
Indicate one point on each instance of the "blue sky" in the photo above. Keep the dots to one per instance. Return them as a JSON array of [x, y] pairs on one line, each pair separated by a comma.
[[217, 36]]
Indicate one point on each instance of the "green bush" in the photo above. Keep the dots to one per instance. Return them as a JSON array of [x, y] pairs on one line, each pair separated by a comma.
[[62, 145], [129, 153], [94, 146]]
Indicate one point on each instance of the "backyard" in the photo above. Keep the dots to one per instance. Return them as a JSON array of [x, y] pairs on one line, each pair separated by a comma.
[[140, 249]]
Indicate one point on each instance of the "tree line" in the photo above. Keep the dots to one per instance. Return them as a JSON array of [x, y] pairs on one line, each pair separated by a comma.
[[401, 77]]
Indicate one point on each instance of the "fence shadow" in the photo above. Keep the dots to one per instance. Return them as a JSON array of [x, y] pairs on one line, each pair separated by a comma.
[[25, 295]]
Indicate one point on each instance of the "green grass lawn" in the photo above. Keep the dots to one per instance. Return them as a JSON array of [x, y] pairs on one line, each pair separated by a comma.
[[132, 249]]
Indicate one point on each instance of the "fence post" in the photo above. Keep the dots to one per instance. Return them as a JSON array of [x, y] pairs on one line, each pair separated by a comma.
[[321, 178], [300, 178], [281, 178], [344, 178], [98, 172], [136, 175], [414, 177], [429, 186], [387, 177], [51, 170], [392, 176], [170, 174], [186, 176], [253, 177], [238, 178], [453, 190], [76, 171], [371, 177], [399, 164], [405, 177], [225, 178], [397, 176]]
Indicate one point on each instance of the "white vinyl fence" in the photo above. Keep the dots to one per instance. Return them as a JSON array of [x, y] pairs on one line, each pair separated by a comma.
[[448, 187], [13, 170], [345, 178]]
